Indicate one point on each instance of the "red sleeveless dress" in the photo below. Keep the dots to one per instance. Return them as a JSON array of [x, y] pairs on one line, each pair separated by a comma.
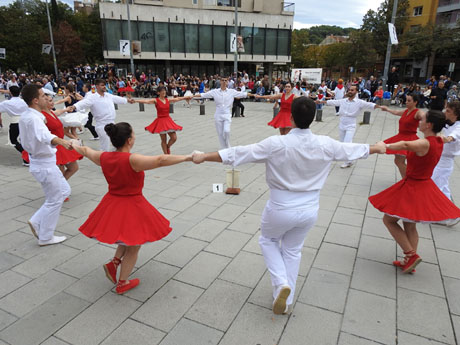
[[63, 156], [124, 216], [283, 119], [163, 123], [416, 198], [408, 125]]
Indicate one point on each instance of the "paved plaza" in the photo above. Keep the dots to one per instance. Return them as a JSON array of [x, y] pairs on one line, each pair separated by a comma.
[[206, 283]]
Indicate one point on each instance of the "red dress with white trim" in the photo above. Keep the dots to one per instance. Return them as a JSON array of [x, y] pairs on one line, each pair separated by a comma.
[[408, 125], [163, 123]]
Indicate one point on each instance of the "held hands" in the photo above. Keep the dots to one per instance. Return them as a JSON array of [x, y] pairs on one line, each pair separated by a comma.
[[75, 143], [384, 108], [198, 157], [131, 100], [66, 144], [381, 147]]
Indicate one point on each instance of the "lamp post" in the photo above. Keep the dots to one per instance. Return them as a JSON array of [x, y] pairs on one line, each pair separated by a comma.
[[129, 38], [235, 61], [52, 41], [388, 55]]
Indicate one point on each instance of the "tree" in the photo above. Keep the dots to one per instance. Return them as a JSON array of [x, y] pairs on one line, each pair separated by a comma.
[[376, 22], [299, 42], [68, 45]]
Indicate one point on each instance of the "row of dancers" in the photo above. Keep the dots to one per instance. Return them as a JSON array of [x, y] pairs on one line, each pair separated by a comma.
[[297, 166]]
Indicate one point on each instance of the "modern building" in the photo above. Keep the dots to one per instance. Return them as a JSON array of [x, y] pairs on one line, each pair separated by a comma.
[[193, 36], [448, 13]]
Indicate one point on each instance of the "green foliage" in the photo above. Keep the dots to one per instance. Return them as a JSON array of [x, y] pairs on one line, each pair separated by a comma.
[[319, 33]]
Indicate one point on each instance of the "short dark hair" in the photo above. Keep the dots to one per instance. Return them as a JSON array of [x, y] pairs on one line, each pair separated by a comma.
[[88, 86], [70, 88], [119, 133], [15, 91], [454, 106], [414, 96], [303, 112], [355, 85], [30, 92], [437, 119], [99, 81], [161, 88]]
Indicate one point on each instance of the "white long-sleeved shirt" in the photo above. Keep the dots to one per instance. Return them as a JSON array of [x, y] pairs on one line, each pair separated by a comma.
[[224, 101], [452, 149], [349, 110], [296, 162], [102, 107], [35, 137], [339, 93], [15, 107]]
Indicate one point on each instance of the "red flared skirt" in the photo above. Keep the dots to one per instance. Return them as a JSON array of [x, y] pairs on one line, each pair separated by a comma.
[[416, 201], [163, 125], [399, 137], [282, 120], [129, 220]]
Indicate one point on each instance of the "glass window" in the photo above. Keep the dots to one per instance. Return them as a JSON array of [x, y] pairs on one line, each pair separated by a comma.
[[219, 39], [271, 41], [205, 39], [134, 34], [191, 38], [246, 33], [177, 37], [112, 34], [146, 36], [161, 37], [418, 11], [259, 41], [283, 42]]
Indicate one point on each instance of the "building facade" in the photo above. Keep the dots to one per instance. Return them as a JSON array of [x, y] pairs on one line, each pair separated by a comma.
[[193, 36], [448, 13]]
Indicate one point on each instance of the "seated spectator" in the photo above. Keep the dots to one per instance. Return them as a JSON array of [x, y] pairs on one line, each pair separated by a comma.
[[378, 95]]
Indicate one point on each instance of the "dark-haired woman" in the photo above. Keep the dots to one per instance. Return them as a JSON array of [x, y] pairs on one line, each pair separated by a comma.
[[416, 198], [283, 119], [408, 124], [163, 124], [124, 216], [71, 98]]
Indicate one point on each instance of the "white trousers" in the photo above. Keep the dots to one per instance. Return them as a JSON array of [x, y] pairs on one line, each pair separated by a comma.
[[346, 136], [283, 233], [56, 189], [104, 140], [441, 174], [223, 132]]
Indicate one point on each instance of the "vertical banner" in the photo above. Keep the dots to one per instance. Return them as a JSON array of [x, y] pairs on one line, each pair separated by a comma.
[[46, 48], [136, 47], [233, 43], [392, 31], [2, 53], [124, 47], [240, 44]]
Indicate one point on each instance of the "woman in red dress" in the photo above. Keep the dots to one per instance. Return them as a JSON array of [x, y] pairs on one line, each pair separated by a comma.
[[283, 119], [163, 124], [124, 216], [416, 198], [65, 159], [408, 124]]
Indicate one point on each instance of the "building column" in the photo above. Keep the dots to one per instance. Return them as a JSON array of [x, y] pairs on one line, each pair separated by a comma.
[[168, 68], [221, 68], [270, 72]]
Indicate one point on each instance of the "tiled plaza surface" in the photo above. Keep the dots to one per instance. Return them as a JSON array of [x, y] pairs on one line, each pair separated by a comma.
[[206, 283]]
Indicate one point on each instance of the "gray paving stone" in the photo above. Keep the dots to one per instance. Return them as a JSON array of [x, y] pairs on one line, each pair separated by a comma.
[[305, 322], [308, 256], [315, 237], [164, 309], [38, 291], [8, 261], [342, 234], [332, 257], [328, 202], [219, 304], [452, 287], [253, 245], [45, 261], [247, 222], [6, 319], [179, 228], [427, 280], [92, 286], [85, 262], [207, 230], [246, 269], [349, 339], [348, 216], [192, 333], [215, 199], [374, 277], [407, 338], [203, 269], [326, 290], [228, 243], [456, 322], [377, 323], [353, 201], [448, 262], [133, 332], [227, 213], [244, 199], [80, 242], [181, 251], [98, 321], [9, 226], [358, 190], [196, 213], [181, 203], [375, 227], [11, 281], [53, 341], [447, 239], [254, 325], [377, 249], [44, 320], [324, 218], [149, 251]]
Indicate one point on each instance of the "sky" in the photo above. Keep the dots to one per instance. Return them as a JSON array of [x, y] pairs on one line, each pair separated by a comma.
[[344, 13]]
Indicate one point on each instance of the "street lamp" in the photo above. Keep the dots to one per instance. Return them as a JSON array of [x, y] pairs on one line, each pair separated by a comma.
[[52, 41], [129, 38]]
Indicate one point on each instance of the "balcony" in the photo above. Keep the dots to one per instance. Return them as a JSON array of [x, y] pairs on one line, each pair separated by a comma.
[[448, 6], [289, 8]]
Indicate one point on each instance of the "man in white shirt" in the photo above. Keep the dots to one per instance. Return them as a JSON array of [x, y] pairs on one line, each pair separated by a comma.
[[15, 107], [297, 165], [101, 105], [223, 98], [41, 146], [350, 108]]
